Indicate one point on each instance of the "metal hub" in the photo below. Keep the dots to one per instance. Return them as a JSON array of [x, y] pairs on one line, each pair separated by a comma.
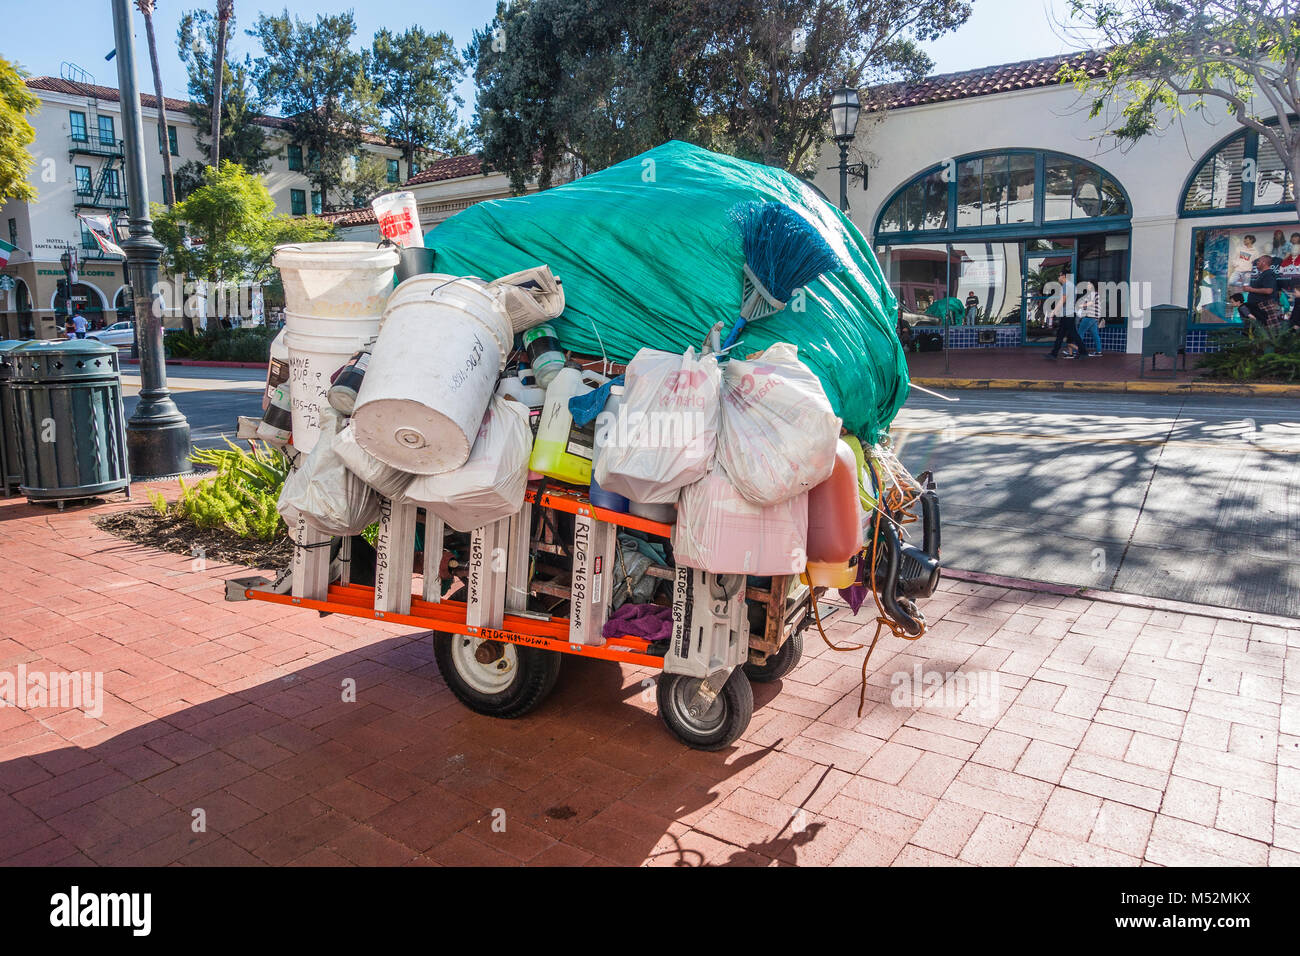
[[487, 677], [709, 717]]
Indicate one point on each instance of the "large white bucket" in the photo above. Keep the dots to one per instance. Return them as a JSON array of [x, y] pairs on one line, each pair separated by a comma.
[[464, 294], [336, 279], [318, 347], [431, 375]]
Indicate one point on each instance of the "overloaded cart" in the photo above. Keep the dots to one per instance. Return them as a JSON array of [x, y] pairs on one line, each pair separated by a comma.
[[662, 460]]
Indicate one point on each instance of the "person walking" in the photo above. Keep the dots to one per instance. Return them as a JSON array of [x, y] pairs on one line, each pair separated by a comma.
[[1066, 328], [1088, 310], [1263, 292], [79, 324]]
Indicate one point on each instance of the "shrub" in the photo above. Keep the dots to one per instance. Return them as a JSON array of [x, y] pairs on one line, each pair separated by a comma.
[[215, 344], [241, 496], [1255, 353]]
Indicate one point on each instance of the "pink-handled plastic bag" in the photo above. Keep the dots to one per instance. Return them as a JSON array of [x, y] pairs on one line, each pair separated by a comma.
[[666, 431], [719, 530], [779, 432]]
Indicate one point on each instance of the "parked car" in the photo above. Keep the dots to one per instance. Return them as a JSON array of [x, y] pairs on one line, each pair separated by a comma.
[[119, 334]]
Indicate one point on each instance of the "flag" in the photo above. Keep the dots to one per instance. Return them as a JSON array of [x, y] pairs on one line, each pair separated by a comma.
[[6, 249], [102, 230]]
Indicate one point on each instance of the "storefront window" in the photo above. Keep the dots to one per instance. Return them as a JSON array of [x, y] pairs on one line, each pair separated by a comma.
[[1273, 183], [1003, 189], [1223, 180], [1225, 262]]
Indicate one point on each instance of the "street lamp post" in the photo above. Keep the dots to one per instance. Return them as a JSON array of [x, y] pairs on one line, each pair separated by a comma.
[[69, 262], [845, 109], [157, 434]]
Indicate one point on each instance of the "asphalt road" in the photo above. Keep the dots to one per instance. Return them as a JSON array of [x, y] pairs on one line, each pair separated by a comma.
[[211, 398], [1193, 499]]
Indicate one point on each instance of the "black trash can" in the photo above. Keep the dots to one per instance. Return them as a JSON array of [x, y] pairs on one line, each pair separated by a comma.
[[11, 463], [1165, 334], [67, 399]]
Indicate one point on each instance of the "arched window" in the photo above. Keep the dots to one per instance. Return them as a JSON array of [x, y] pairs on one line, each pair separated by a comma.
[[1005, 190], [1242, 174]]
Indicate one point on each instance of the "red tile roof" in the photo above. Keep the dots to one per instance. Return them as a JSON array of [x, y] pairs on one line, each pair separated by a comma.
[[361, 216], [453, 167], [1025, 75]]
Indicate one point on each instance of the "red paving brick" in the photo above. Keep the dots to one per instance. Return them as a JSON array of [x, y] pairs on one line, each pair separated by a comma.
[[1118, 736]]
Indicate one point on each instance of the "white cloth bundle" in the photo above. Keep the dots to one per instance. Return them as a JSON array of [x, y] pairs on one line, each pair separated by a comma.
[[529, 297], [331, 498], [491, 484], [385, 479]]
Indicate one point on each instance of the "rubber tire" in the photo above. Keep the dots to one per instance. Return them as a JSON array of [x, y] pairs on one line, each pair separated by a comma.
[[537, 673], [779, 664], [737, 697]]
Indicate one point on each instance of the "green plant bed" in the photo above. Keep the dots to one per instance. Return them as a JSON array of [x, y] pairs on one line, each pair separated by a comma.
[[1254, 354], [239, 497], [222, 345]]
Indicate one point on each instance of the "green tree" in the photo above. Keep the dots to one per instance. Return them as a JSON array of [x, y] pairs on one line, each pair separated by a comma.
[[146, 8], [16, 133], [310, 71], [243, 140], [232, 217], [1165, 58], [417, 73], [591, 82]]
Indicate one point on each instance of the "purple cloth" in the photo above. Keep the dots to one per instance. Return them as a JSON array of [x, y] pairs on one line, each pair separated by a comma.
[[654, 622]]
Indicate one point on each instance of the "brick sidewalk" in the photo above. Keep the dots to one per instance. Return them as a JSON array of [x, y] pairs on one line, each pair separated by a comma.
[[1114, 736]]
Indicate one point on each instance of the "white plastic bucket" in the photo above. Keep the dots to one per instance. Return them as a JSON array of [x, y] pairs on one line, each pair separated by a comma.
[[336, 279], [466, 295], [398, 217], [430, 379], [318, 347]]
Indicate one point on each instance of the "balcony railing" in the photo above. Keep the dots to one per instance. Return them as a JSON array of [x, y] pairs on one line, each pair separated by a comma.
[[91, 144], [108, 200]]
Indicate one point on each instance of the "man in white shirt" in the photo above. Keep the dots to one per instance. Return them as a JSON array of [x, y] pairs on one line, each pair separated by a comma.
[[79, 324]]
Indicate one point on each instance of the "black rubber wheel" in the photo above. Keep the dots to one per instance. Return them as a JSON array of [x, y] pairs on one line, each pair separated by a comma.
[[779, 664], [508, 687], [720, 725]]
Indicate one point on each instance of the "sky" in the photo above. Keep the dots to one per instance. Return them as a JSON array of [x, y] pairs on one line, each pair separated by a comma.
[[41, 35]]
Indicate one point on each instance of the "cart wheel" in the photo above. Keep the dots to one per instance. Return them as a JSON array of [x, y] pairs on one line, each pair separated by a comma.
[[510, 685], [720, 725], [779, 664]]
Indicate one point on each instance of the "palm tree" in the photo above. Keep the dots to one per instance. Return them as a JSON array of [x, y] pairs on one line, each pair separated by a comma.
[[169, 190], [225, 10]]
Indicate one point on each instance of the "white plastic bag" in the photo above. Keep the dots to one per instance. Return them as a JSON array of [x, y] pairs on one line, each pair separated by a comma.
[[779, 432], [385, 479], [666, 431], [332, 499], [718, 530], [491, 484]]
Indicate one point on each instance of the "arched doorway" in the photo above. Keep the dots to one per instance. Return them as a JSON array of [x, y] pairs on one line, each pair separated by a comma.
[[974, 242], [87, 299], [18, 318], [122, 305]]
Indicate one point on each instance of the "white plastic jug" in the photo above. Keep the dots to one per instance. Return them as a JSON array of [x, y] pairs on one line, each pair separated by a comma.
[[563, 450]]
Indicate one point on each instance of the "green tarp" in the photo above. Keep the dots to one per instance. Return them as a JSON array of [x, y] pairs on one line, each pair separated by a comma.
[[650, 258]]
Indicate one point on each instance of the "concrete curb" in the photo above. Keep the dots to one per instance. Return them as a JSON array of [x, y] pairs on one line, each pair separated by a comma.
[[1128, 600], [1147, 387]]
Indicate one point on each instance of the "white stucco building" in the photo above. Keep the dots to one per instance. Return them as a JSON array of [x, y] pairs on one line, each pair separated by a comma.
[[78, 153], [987, 183]]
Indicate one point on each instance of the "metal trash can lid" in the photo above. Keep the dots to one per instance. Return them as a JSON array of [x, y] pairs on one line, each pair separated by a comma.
[[6, 363], [55, 360]]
